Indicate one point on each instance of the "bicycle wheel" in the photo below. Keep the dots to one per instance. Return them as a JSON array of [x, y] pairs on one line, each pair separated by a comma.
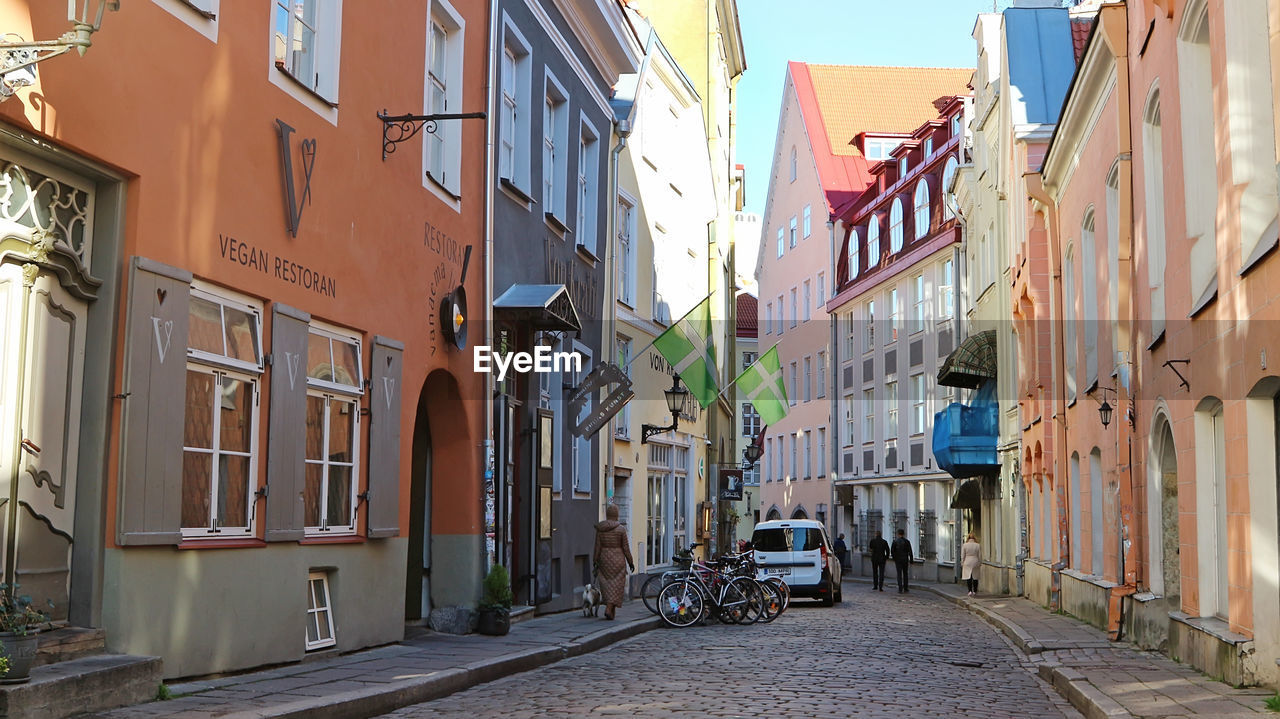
[[772, 601], [754, 608], [783, 589], [649, 592], [732, 605], [680, 603]]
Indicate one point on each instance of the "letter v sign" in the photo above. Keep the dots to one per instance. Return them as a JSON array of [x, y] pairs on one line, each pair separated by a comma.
[[293, 202]]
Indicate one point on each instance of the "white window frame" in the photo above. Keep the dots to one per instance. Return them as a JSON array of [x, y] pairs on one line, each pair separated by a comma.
[[922, 214], [895, 225], [822, 292], [516, 110], [869, 416], [793, 394], [918, 303], [782, 310], [768, 318], [869, 324], [319, 91], [949, 170], [854, 243], [622, 420], [555, 142], [317, 606], [808, 301], [626, 228], [219, 366], [822, 452], [893, 314], [919, 401], [822, 374], [808, 379], [333, 392], [791, 233], [781, 242], [334, 333], [873, 241], [199, 15], [749, 358], [750, 421], [442, 149], [946, 290], [794, 308], [808, 454], [808, 212], [588, 217], [891, 410]]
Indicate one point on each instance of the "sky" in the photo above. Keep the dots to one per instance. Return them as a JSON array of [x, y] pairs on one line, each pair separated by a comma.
[[933, 33]]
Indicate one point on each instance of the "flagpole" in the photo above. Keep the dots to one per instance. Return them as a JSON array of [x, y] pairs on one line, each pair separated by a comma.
[[670, 327]]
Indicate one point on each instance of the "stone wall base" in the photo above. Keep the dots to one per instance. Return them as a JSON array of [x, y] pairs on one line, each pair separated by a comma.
[[1207, 645]]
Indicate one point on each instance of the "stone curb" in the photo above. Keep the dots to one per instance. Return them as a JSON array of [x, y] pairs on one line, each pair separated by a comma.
[[1084, 696], [1016, 634], [376, 700]]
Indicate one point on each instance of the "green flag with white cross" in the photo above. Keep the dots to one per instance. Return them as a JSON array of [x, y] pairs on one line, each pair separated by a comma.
[[690, 350], [762, 385]]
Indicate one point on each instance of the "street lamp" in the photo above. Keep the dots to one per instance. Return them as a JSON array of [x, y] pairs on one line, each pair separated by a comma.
[[1105, 410], [750, 455], [18, 57], [675, 402]]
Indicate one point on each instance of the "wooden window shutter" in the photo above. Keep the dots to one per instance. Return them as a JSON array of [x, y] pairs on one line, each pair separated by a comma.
[[384, 438], [155, 372], [287, 424]]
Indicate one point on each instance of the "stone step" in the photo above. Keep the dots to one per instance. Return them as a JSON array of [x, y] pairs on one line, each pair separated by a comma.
[[521, 612], [68, 643], [87, 684]]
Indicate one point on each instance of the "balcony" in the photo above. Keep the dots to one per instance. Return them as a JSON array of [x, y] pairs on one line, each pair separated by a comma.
[[964, 439]]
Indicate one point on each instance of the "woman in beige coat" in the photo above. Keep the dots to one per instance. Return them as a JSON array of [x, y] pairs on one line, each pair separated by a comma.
[[613, 559], [971, 559]]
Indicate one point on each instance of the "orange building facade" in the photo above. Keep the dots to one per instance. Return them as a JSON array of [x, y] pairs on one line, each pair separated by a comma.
[[223, 307]]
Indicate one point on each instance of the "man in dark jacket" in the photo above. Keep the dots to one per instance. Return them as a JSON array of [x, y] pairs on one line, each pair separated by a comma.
[[879, 555], [902, 560]]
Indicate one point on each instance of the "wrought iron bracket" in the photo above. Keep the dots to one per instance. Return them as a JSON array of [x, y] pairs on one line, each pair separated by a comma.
[[398, 128], [1182, 380], [649, 430]]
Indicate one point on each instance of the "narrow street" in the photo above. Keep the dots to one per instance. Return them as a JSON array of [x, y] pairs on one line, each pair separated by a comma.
[[875, 655]]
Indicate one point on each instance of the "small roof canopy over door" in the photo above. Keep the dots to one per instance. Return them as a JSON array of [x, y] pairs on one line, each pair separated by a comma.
[[972, 363], [544, 307]]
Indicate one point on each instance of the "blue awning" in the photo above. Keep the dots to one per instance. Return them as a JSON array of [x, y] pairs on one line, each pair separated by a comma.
[[965, 436]]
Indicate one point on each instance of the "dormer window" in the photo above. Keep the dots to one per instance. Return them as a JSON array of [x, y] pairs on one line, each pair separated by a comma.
[[878, 148], [902, 166], [928, 146], [955, 125]]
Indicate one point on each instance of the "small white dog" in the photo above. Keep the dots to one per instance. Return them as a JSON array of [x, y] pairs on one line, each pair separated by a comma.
[[591, 600]]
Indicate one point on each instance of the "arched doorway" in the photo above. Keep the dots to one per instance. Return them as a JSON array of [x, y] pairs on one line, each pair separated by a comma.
[[445, 551], [799, 513], [1164, 501], [773, 514]]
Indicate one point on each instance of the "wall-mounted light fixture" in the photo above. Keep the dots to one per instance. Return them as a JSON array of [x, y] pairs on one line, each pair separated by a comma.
[[675, 402], [18, 57]]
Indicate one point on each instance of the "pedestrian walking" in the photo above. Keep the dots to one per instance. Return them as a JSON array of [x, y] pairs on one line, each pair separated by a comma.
[[842, 552], [879, 557], [902, 560], [971, 559], [612, 559]]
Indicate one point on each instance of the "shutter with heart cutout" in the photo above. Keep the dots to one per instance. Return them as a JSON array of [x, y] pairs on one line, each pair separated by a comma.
[[155, 369]]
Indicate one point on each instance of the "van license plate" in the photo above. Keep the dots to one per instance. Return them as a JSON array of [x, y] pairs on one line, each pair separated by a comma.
[[778, 570]]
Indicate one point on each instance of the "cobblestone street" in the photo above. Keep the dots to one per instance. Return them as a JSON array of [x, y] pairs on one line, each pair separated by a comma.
[[877, 655]]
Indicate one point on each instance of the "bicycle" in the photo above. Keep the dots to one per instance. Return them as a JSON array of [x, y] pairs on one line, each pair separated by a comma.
[[708, 591], [654, 585]]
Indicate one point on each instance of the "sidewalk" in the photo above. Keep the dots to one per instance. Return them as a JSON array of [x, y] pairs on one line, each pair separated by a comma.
[[1102, 678], [425, 666]]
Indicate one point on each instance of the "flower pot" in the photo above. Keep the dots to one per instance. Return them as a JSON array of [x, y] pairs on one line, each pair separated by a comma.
[[20, 649], [494, 622]]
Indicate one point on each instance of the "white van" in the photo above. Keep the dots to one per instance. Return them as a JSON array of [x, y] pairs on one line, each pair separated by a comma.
[[798, 551]]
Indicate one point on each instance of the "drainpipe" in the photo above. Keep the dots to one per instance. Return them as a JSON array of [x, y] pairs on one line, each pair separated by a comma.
[[488, 451], [623, 129]]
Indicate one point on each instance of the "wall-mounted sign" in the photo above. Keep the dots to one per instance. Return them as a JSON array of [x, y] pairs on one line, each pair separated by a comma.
[[731, 484], [293, 201], [602, 376], [453, 309]]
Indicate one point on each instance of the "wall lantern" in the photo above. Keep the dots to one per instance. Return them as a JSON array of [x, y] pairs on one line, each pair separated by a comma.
[[19, 57], [751, 454], [675, 402]]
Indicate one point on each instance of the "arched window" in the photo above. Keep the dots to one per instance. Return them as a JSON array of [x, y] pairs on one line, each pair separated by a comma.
[[1070, 349], [895, 225], [922, 209], [948, 196], [1153, 182], [855, 237], [873, 241], [1089, 295]]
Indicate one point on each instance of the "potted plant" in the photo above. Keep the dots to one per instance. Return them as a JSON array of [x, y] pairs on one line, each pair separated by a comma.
[[20, 622], [495, 604]]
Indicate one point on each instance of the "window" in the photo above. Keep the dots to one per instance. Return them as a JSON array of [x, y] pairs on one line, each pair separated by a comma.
[[918, 404], [219, 458], [793, 166], [822, 452], [947, 291], [854, 241], [780, 242], [822, 291], [922, 209], [1089, 293], [895, 225], [1070, 349], [869, 416], [873, 241], [657, 499], [808, 455], [956, 127], [795, 385], [928, 146], [622, 420], [891, 410], [555, 137], [822, 374], [1195, 85], [869, 323], [794, 309], [334, 384], [588, 178], [514, 133], [319, 612], [306, 36], [443, 147], [893, 314], [750, 421], [879, 149], [791, 233], [849, 422], [808, 212], [791, 442], [949, 196], [808, 379], [749, 358], [902, 166], [769, 459], [1113, 262], [768, 318], [1153, 183], [808, 302], [917, 303], [626, 229], [781, 309]]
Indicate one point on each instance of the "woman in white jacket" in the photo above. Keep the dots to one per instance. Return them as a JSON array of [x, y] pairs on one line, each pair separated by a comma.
[[971, 559]]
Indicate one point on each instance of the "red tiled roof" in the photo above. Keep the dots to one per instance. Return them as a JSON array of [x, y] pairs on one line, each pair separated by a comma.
[[1080, 29], [748, 319], [838, 102]]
